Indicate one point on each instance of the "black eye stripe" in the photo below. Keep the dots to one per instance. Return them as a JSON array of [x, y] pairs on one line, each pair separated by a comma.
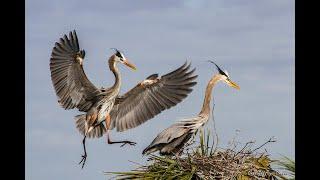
[[224, 74], [221, 72], [118, 54]]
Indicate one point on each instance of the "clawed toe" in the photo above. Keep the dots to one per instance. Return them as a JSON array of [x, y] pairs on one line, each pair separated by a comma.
[[83, 160], [128, 142]]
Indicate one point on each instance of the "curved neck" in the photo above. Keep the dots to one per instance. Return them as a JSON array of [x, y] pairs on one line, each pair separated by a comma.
[[208, 94], [116, 73]]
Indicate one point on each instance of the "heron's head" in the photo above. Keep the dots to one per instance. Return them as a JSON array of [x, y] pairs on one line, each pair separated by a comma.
[[119, 57], [224, 76]]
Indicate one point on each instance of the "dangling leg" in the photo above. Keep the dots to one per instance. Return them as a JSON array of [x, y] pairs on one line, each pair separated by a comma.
[[84, 157], [108, 135]]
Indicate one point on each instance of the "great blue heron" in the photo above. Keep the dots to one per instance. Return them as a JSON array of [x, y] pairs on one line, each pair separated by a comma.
[[172, 140], [147, 99]]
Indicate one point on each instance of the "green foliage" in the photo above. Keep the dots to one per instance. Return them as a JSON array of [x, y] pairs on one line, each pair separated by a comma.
[[288, 166]]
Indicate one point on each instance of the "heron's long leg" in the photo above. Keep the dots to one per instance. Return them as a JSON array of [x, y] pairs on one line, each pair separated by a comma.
[[84, 157], [115, 142]]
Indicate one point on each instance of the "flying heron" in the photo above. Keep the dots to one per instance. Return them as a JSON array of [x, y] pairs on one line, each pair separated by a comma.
[[147, 99], [172, 140]]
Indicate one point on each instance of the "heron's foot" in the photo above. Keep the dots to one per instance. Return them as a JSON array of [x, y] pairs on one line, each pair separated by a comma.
[[83, 160], [123, 142], [128, 142]]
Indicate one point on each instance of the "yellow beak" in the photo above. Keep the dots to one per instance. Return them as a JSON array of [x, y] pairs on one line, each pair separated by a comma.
[[127, 63], [233, 84]]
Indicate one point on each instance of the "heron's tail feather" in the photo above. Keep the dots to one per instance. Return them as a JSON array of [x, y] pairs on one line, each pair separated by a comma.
[[149, 149], [96, 132]]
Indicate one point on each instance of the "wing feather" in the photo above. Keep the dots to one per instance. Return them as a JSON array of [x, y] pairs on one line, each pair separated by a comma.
[[73, 88], [151, 97]]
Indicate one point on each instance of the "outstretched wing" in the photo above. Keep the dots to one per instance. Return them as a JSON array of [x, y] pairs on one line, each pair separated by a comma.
[[150, 97], [69, 80]]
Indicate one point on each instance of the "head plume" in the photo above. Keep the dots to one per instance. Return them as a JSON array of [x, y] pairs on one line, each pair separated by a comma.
[[219, 69], [117, 52]]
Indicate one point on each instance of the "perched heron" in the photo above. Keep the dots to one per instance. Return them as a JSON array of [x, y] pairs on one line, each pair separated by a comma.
[[147, 99], [172, 140]]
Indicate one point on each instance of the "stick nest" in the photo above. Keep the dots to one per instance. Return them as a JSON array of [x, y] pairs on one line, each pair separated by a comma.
[[204, 162]]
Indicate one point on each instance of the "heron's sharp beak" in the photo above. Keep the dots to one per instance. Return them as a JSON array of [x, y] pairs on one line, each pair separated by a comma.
[[233, 84], [126, 62]]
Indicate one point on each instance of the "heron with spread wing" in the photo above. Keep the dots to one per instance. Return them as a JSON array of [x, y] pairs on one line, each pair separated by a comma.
[[172, 140], [147, 99]]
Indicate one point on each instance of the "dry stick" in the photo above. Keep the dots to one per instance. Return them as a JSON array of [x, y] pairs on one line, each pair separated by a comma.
[[269, 141], [250, 152], [250, 142]]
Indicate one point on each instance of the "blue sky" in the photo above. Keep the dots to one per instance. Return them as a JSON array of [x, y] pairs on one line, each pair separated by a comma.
[[253, 40]]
